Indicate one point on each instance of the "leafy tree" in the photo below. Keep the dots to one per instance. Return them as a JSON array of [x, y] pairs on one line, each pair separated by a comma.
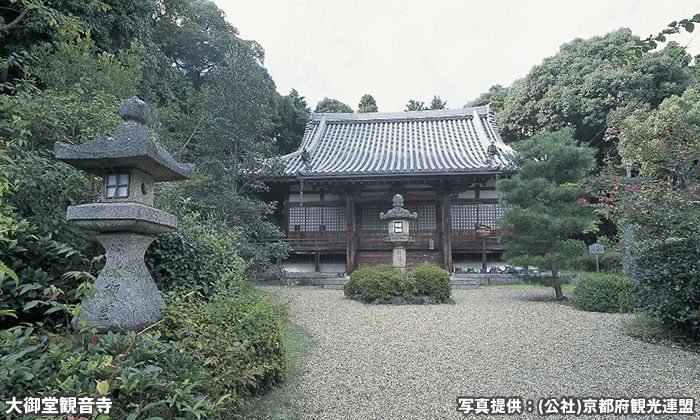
[[541, 202], [662, 148], [291, 118], [233, 149], [437, 103], [495, 96], [579, 85], [367, 104], [196, 37], [650, 43], [414, 105], [332, 105], [79, 100]]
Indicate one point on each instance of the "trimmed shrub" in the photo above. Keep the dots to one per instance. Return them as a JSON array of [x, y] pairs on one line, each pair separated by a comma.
[[603, 293], [433, 281], [380, 284], [609, 262], [667, 282], [352, 287]]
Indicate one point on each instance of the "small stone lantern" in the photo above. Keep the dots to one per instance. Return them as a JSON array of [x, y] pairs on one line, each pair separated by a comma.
[[483, 232], [398, 220], [130, 163]]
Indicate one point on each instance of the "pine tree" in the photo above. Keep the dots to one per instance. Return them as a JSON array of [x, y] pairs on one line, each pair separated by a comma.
[[542, 203]]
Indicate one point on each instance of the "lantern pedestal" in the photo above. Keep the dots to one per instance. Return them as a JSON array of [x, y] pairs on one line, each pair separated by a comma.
[[136, 302]]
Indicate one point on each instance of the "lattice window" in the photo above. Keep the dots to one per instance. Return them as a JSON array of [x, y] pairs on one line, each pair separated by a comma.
[[297, 219], [464, 216], [489, 214], [469, 216], [427, 214], [335, 218], [370, 217], [308, 219]]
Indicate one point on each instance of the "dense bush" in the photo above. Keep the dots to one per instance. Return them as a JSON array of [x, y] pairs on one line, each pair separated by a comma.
[[352, 287], [667, 282], [575, 257], [150, 378], [432, 281], [238, 336], [382, 283], [39, 263], [194, 255], [603, 293], [207, 358]]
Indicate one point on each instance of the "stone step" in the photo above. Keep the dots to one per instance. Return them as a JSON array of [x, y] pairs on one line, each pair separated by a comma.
[[336, 281]]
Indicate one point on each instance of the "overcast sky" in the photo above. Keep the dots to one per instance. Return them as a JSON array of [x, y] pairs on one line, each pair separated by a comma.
[[398, 50]]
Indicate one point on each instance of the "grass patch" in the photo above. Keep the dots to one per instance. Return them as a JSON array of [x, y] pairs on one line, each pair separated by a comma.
[[642, 326], [646, 328], [284, 402]]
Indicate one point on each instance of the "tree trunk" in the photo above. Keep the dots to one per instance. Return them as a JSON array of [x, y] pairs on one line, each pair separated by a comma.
[[558, 295], [557, 292]]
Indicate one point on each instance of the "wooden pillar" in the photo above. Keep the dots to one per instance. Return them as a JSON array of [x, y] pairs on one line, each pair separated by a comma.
[[350, 239], [447, 231]]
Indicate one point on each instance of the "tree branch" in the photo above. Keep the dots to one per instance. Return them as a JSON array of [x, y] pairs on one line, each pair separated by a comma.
[[16, 21]]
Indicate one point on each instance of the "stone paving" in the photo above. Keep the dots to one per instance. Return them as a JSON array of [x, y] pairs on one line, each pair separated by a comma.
[[412, 362]]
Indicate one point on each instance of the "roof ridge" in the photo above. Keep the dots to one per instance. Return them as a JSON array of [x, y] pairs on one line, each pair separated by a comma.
[[405, 115]]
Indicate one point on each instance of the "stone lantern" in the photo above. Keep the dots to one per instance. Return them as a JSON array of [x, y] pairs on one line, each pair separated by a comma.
[[483, 232], [130, 163], [399, 237]]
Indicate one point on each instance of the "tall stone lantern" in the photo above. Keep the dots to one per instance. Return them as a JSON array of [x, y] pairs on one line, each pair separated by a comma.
[[399, 238], [130, 163]]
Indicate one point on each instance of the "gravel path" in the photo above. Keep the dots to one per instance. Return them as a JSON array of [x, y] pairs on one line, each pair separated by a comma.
[[412, 362]]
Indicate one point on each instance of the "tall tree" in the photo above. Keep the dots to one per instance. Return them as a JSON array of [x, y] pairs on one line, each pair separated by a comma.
[[580, 84], [290, 119], [196, 37], [541, 202], [333, 105], [437, 103], [367, 104], [495, 96], [414, 105]]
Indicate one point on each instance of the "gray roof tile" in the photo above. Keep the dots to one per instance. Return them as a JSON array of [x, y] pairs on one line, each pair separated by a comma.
[[439, 141]]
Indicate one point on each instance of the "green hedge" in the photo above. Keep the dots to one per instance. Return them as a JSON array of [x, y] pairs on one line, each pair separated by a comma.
[[382, 283], [432, 281], [603, 293], [195, 255], [667, 283]]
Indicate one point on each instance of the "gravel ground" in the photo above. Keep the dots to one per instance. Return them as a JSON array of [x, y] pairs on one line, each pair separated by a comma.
[[412, 362]]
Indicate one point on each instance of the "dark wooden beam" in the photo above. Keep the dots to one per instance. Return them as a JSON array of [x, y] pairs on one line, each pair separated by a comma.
[[447, 232], [350, 239]]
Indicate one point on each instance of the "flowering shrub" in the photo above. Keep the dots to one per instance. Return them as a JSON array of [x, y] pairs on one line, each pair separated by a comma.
[[662, 148]]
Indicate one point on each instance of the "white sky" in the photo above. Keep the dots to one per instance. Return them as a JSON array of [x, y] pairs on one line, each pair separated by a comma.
[[398, 50]]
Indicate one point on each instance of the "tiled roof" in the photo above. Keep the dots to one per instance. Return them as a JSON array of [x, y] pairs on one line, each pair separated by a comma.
[[421, 142]]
